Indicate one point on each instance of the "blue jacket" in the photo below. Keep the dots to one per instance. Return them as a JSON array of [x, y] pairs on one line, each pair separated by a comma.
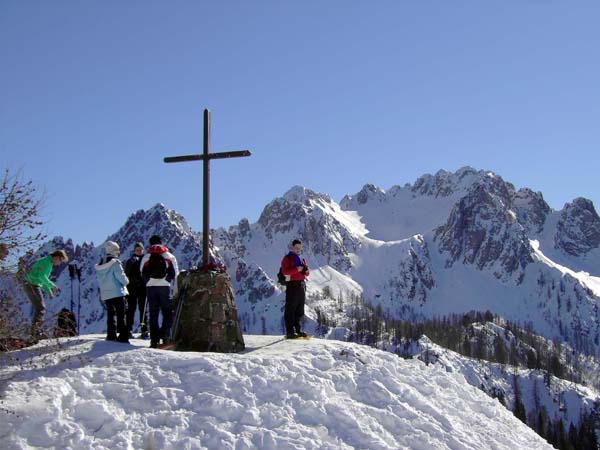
[[111, 279]]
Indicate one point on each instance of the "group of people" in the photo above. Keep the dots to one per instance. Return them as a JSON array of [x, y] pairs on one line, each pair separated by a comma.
[[147, 279]]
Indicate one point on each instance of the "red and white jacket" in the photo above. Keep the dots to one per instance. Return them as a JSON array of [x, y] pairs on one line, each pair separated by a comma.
[[168, 256]]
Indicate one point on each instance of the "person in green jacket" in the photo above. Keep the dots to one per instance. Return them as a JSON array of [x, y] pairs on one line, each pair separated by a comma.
[[36, 280]]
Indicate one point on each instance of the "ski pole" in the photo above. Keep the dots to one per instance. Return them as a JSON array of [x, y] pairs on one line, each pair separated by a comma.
[[72, 276], [143, 321], [78, 271], [175, 324]]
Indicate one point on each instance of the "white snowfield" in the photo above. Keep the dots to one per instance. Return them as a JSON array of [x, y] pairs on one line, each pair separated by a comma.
[[278, 394]]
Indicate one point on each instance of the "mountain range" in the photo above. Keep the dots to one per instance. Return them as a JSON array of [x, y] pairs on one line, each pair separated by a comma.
[[448, 243]]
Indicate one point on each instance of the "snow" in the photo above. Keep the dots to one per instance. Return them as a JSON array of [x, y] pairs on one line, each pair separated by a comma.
[[585, 278], [558, 398], [278, 394]]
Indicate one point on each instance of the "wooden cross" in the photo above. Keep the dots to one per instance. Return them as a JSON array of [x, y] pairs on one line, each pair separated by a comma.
[[205, 157]]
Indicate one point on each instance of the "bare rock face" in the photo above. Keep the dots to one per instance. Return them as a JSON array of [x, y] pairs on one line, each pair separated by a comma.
[[414, 277], [308, 216], [482, 230], [531, 209], [171, 226], [368, 193], [578, 229], [252, 281], [443, 183]]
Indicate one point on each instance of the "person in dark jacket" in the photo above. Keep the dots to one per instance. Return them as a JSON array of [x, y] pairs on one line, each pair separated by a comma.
[[295, 269], [113, 289], [159, 269], [136, 300]]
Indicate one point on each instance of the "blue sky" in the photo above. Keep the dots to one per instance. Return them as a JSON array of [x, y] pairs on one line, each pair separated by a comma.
[[327, 94]]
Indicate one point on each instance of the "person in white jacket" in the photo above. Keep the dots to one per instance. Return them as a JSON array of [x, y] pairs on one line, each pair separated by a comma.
[[113, 289], [159, 269]]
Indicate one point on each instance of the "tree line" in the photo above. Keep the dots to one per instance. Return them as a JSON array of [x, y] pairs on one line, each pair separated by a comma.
[[510, 344]]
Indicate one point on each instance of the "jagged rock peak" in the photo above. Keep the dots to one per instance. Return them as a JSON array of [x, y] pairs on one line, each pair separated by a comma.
[[482, 230], [168, 224], [368, 192], [283, 213], [301, 194], [531, 209], [160, 211], [578, 229], [444, 183]]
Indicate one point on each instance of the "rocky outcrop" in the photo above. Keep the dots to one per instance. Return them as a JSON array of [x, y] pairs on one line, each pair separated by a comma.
[[531, 209], [578, 229], [483, 231], [414, 276]]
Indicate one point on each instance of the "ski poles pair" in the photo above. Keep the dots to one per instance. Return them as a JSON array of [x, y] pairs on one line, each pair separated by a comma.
[[75, 270]]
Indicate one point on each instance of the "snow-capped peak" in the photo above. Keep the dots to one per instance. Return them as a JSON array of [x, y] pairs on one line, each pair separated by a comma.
[[301, 194]]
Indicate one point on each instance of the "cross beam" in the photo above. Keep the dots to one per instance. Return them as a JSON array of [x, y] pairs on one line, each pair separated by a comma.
[[205, 157]]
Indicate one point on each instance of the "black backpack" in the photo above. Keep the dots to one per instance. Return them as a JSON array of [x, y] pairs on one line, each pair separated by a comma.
[[281, 277], [156, 267], [65, 324]]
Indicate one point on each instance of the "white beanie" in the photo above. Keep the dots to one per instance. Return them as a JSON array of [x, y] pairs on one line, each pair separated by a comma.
[[112, 248]]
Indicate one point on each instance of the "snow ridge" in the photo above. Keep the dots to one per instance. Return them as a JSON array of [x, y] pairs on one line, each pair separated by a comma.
[[313, 394]]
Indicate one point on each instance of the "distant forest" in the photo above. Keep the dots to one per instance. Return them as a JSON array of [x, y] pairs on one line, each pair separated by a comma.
[[517, 346]]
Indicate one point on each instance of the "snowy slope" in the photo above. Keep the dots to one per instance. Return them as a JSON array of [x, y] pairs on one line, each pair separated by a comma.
[[559, 399], [278, 394], [402, 212]]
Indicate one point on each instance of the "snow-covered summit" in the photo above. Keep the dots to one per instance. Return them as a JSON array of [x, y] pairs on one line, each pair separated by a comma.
[[302, 195], [278, 394]]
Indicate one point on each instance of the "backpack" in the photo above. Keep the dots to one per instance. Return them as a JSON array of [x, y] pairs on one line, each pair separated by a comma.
[[66, 324], [281, 279], [156, 267]]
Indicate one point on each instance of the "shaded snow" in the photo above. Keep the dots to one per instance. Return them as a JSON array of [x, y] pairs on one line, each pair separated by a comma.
[[278, 394]]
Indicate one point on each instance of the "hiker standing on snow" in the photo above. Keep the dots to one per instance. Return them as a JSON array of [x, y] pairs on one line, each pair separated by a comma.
[[113, 289], [137, 290], [295, 270], [159, 268], [36, 280]]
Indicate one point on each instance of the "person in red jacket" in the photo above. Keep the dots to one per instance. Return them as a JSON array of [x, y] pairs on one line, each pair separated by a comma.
[[296, 271]]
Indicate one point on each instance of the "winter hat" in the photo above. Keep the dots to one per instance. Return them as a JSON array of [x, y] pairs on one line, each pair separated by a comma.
[[138, 244], [155, 240], [112, 248]]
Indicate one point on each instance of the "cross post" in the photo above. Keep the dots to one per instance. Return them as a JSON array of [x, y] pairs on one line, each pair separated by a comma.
[[205, 157]]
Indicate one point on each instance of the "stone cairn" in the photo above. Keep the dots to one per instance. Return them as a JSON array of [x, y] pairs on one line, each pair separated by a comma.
[[208, 319]]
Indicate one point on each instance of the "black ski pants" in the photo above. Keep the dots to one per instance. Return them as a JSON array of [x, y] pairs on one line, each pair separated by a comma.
[[136, 300], [116, 307], [295, 296]]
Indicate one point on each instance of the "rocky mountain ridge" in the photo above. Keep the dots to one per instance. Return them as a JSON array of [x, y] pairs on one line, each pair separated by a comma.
[[448, 243]]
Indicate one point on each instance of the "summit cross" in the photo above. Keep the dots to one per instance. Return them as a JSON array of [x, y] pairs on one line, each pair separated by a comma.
[[205, 157]]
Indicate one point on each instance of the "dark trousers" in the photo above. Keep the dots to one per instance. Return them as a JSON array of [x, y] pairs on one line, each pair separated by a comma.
[[295, 296], [36, 297], [136, 300], [159, 301], [116, 307]]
